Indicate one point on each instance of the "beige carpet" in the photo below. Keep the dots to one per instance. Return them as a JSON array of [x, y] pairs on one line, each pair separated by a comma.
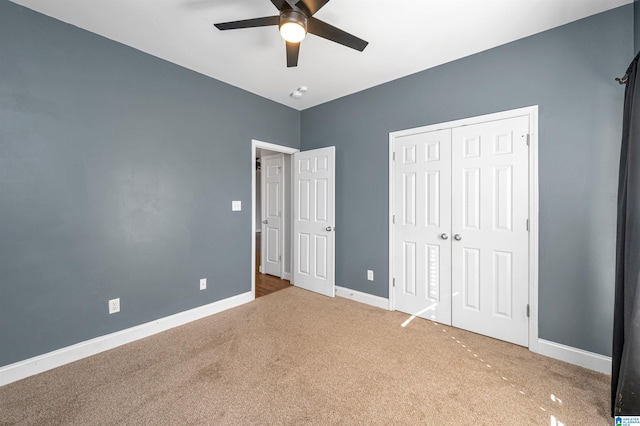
[[295, 357]]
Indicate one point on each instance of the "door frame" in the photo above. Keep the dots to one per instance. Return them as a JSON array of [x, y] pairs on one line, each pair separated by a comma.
[[532, 113], [255, 145]]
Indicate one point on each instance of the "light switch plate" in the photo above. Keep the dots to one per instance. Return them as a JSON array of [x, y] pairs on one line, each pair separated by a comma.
[[369, 274], [203, 283], [236, 206]]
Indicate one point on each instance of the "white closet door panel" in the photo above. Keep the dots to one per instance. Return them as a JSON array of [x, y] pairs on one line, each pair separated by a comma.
[[489, 214], [422, 192]]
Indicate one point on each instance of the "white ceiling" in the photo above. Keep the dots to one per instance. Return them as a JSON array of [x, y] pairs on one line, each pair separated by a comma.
[[405, 36]]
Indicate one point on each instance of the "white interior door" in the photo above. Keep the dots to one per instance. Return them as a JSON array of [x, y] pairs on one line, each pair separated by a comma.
[[422, 243], [490, 254], [313, 220], [272, 209]]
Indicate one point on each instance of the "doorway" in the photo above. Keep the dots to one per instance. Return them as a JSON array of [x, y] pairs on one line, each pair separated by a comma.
[[278, 158], [309, 233], [463, 224], [273, 172]]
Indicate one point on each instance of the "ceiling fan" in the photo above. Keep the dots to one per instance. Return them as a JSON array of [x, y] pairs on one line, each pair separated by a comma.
[[295, 21]]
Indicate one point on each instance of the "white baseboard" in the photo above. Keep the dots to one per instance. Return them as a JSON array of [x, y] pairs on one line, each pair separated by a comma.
[[358, 296], [286, 276], [41, 363], [575, 356]]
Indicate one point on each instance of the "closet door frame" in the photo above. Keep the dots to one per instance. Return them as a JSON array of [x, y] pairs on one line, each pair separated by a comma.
[[532, 114]]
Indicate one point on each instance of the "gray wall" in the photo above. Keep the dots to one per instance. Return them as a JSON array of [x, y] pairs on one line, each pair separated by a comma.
[[569, 72], [117, 172]]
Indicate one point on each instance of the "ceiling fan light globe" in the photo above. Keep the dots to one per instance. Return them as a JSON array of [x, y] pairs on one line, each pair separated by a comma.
[[292, 32]]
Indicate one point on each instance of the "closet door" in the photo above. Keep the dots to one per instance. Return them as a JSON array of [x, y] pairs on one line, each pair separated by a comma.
[[490, 270], [422, 225]]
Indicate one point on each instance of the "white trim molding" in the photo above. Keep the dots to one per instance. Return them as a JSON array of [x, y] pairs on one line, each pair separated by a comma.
[[358, 296], [41, 363], [575, 356]]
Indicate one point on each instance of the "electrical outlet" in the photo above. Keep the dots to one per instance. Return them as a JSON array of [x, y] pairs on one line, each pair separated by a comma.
[[369, 274], [236, 206], [203, 283], [114, 306]]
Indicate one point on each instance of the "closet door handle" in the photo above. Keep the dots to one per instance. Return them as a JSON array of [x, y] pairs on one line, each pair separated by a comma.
[[444, 236], [457, 237]]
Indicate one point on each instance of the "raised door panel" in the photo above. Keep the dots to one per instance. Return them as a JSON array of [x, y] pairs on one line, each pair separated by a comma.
[[303, 254]]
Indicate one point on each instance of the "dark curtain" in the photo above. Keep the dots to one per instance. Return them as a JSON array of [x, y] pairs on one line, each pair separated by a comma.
[[625, 374]]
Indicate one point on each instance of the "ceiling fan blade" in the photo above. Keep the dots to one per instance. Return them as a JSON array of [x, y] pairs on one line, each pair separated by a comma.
[[311, 6], [249, 23], [281, 4], [293, 49], [324, 30]]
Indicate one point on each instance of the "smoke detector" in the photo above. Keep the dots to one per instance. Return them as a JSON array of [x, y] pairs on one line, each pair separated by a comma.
[[297, 94]]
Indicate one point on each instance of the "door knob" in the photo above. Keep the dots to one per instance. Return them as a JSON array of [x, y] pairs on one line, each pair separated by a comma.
[[328, 229], [457, 237], [444, 236], [265, 221]]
